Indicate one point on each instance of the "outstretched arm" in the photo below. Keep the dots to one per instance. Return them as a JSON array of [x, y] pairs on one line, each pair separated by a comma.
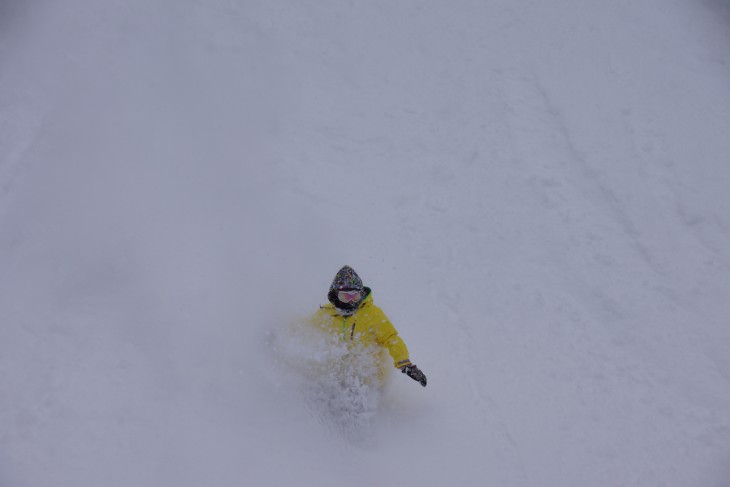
[[387, 336]]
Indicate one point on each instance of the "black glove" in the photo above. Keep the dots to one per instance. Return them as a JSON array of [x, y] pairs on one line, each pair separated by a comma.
[[414, 373]]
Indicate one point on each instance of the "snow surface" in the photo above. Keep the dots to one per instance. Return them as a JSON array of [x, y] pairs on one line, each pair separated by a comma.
[[537, 192]]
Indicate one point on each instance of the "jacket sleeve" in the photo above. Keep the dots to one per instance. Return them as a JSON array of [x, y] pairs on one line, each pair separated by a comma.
[[387, 336]]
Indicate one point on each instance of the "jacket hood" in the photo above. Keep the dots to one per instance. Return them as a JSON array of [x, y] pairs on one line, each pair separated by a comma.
[[346, 279]]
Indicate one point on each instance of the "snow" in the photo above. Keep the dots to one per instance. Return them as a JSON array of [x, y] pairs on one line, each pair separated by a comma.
[[536, 193]]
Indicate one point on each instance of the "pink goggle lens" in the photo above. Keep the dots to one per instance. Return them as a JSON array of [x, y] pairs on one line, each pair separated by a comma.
[[349, 296]]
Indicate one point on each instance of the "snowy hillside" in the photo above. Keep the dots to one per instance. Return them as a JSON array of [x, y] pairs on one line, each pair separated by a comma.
[[537, 193]]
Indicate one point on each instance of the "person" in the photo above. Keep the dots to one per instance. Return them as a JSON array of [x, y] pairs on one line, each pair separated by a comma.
[[356, 320]]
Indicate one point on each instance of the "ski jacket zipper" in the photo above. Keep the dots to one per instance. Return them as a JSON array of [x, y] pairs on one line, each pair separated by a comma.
[[344, 329]]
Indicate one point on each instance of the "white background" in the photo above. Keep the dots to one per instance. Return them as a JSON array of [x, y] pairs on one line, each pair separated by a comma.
[[537, 192]]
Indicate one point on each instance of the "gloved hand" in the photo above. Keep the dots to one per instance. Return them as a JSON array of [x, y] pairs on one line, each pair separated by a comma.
[[414, 373]]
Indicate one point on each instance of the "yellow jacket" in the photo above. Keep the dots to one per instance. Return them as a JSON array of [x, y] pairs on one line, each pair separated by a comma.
[[367, 326]]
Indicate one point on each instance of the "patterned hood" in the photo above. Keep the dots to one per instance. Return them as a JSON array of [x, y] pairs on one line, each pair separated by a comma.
[[346, 279]]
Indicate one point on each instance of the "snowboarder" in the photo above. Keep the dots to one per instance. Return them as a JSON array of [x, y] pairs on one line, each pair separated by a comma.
[[352, 315]]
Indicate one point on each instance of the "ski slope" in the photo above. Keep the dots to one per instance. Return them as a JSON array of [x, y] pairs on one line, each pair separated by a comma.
[[536, 193]]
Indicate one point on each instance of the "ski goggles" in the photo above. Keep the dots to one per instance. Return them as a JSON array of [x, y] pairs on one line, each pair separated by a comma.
[[349, 296]]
